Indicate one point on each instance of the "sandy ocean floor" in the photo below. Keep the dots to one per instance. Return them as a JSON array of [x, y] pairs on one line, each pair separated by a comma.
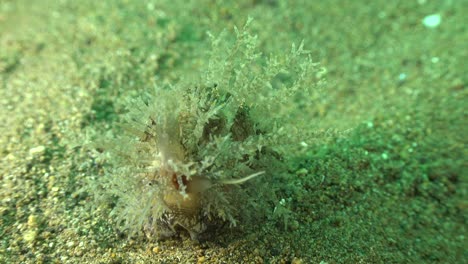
[[391, 189]]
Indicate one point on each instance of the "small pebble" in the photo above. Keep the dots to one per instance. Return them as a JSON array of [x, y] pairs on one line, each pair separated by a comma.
[[296, 261], [30, 235], [402, 77], [432, 21], [37, 150], [302, 171], [201, 259], [32, 221]]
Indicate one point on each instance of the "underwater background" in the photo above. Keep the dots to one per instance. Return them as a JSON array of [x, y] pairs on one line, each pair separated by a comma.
[[384, 181]]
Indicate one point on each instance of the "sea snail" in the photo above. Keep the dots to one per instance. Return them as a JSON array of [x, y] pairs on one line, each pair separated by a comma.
[[183, 193]]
